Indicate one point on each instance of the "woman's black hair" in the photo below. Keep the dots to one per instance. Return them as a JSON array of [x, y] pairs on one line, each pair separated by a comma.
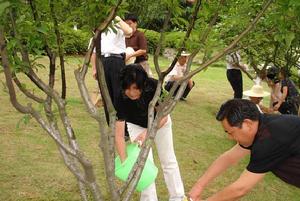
[[133, 74], [237, 110], [285, 73], [272, 73]]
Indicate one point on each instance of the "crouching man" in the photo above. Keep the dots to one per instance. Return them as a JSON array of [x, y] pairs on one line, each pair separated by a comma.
[[273, 142]]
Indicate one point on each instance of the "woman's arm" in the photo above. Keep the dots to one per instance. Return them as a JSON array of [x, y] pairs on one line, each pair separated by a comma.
[[120, 140], [282, 98]]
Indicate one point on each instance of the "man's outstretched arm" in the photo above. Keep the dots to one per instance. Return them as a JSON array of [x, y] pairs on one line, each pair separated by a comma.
[[239, 188], [227, 159]]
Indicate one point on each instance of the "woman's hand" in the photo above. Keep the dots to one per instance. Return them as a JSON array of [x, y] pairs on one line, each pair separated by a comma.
[[277, 106], [141, 137]]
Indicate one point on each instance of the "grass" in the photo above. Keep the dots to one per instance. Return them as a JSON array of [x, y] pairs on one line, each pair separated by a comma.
[[31, 167]]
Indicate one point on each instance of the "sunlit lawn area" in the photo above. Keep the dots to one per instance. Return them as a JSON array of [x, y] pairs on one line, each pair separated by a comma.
[[32, 169]]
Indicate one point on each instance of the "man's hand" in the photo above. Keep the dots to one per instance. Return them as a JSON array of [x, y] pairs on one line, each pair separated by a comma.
[[222, 163], [128, 56], [195, 194]]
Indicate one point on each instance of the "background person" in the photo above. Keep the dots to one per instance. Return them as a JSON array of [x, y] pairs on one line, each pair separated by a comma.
[[273, 142], [275, 85], [96, 94], [112, 56], [234, 74], [256, 95], [289, 101], [275, 92], [132, 108], [138, 42], [177, 73]]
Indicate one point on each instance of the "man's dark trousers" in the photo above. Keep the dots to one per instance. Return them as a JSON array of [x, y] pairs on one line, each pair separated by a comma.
[[235, 79], [112, 67]]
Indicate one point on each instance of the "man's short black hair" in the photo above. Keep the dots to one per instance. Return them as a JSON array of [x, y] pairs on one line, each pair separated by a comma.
[[131, 17], [237, 110], [133, 74]]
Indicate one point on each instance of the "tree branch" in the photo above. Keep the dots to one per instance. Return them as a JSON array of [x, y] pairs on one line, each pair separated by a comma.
[[8, 76], [25, 59], [161, 39], [233, 44], [107, 134], [60, 50], [25, 91], [186, 37]]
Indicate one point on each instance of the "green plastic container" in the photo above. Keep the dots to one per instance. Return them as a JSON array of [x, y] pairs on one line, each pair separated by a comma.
[[122, 170]]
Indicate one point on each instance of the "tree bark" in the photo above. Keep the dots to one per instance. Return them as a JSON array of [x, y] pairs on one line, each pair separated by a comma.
[[60, 50], [106, 133]]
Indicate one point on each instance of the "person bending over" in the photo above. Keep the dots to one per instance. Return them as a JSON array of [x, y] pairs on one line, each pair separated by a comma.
[[273, 142], [137, 90]]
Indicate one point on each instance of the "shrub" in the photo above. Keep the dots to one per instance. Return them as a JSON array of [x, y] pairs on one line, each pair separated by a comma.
[[152, 39], [174, 39], [75, 42]]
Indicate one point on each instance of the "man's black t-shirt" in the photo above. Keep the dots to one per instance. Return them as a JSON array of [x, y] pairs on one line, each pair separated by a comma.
[[138, 41], [136, 111], [276, 148]]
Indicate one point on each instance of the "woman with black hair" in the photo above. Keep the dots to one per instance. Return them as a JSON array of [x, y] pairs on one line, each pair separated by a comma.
[[289, 102], [275, 86], [137, 90]]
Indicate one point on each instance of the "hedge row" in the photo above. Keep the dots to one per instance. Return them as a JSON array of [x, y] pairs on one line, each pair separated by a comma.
[[172, 39], [76, 42]]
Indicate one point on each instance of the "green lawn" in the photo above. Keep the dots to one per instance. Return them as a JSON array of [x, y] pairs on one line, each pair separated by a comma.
[[31, 168]]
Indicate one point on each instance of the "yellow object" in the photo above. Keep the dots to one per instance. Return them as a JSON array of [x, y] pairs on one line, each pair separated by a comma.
[[187, 199]]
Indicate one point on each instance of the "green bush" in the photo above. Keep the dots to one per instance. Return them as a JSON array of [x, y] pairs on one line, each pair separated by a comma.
[[152, 39], [75, 41], [174, 39]]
